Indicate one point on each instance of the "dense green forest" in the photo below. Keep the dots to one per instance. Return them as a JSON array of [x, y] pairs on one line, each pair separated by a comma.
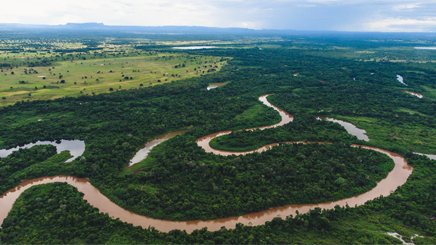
[[181, 182], [53, 213]]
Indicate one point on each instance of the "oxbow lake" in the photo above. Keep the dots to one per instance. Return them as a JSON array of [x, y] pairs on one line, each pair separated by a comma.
[[76, 147]]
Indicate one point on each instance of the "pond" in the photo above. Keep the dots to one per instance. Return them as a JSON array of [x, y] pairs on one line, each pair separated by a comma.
[[400, 79]]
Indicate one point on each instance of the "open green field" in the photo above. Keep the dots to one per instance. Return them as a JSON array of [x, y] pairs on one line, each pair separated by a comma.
[[101, 75]]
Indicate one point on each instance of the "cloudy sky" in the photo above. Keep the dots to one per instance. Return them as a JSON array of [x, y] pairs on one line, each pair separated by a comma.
[[340, 15]]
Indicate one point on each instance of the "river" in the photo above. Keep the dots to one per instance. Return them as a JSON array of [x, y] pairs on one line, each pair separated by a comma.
[[397, 177]]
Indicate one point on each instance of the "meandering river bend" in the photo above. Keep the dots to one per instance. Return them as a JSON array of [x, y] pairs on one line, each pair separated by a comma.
[[397, 177]]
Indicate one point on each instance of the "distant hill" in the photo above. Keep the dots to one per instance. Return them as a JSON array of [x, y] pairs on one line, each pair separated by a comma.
[[100, 29], [136, 29]]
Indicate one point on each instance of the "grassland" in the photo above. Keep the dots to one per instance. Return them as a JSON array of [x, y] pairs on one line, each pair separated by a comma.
[[100, 75]]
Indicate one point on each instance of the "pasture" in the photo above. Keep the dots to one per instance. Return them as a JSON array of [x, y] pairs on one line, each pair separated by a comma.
[[101, 75]]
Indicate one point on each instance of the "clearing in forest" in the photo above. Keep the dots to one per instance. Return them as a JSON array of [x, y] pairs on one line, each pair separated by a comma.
[[101, 75]]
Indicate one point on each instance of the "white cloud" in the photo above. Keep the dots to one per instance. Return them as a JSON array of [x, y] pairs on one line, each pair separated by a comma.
[[401, 25], [351, 15], [306, 5], [406, 6]]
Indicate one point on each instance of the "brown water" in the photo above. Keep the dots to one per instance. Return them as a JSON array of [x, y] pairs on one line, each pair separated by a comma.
[[397, 177], [142, 153], [203, 142], [413, 93]]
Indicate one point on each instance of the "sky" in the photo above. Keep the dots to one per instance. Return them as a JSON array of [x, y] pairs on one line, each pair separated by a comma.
[[339, 15]]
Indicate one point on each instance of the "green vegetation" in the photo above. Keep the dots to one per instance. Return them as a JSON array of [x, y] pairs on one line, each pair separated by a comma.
[[429, 92], [286, 174], [411, 112], [179, 181], [258, 115], [303, 128], [51, 214], [409, 135], [100, 73], [31, 163], [31, 220]]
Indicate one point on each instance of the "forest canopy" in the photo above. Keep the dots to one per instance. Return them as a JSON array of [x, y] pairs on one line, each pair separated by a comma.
[[354, 81]]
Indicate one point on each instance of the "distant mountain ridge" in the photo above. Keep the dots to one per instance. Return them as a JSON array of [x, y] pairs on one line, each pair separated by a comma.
[[143, 29], [100, 29]]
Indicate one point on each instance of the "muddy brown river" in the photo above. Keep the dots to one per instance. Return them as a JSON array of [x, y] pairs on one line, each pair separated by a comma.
[[397, 177]]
